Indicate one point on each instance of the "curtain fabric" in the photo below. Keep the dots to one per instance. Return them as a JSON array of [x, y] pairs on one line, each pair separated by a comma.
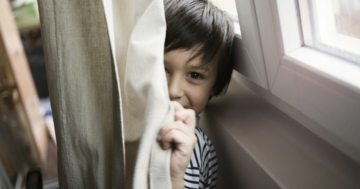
[[108, 90]]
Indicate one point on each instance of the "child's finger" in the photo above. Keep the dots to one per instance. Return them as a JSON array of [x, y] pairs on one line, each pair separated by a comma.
[[179, 138], [170, 137], [177, 106], [178, 125], [187, 116]]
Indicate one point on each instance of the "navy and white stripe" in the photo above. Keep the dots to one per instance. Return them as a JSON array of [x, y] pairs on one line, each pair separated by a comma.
[[202, 170]]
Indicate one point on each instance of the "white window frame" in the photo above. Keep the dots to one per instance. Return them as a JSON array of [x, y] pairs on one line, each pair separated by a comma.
[[271, 53], [322, 33]]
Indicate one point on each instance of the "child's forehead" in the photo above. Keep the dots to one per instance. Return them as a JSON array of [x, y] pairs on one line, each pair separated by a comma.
[[200, 65]]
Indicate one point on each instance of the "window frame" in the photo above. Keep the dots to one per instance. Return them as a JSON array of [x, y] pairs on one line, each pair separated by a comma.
[[322, 35], [299, 75]]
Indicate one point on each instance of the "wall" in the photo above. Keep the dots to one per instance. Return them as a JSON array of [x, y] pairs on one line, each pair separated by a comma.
[[259, 146]]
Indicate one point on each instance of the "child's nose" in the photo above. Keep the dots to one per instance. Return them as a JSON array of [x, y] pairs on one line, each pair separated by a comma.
[[175, 88]]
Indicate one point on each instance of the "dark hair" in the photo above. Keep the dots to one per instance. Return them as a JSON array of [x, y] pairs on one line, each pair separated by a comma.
[[201, 25]]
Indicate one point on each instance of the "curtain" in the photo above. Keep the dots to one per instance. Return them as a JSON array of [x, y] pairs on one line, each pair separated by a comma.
[[104, 61]]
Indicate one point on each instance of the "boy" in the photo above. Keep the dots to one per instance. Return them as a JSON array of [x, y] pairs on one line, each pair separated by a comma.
[[198, 66]]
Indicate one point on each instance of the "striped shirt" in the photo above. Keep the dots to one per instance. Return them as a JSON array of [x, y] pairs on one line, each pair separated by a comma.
[[202, 170]]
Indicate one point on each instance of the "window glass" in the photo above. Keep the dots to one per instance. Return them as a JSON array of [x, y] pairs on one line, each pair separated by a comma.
[[332, 26]]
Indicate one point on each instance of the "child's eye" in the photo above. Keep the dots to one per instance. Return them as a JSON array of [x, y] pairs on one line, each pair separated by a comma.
[[166, 70], [195, 75]]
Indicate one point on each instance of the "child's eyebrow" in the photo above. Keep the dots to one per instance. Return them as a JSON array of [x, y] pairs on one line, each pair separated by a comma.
[[201, 67]]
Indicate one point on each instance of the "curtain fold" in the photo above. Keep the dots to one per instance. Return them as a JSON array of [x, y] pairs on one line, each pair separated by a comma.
[[145, 93], [108, 90]]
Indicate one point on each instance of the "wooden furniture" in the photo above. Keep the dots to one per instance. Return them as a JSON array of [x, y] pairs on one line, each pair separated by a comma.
[[19, 103]]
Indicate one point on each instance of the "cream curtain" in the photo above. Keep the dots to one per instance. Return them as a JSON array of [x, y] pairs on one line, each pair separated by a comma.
[[104, 61]]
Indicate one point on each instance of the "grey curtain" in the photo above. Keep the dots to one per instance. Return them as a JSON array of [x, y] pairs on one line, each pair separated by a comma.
[[108, 91]]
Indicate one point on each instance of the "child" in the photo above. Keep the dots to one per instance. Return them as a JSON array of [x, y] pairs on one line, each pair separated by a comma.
[[198, 66]]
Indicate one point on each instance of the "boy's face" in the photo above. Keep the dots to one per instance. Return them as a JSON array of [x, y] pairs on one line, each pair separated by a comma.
[[188, 83]]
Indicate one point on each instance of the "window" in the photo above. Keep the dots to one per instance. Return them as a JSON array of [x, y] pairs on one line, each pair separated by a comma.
[[291, 56], [332, 26]]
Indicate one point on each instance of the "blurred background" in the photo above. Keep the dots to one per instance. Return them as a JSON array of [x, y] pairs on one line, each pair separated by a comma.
[[27, 137]]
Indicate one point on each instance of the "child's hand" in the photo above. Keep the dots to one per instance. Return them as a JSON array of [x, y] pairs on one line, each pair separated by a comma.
[[179, 135]]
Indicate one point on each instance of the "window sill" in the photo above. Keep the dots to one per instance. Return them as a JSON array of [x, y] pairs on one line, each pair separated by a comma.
[[331, 68], [266, 148], [325, 89]]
